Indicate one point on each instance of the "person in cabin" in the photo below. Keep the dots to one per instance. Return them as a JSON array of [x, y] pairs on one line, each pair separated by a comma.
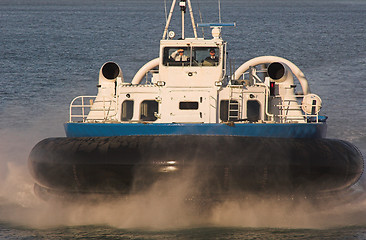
[[179, 56], [211, 60]]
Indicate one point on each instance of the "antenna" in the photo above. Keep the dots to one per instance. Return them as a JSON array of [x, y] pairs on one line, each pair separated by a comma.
[[219, 11], [165, 12], [216, 24], [200, 14]]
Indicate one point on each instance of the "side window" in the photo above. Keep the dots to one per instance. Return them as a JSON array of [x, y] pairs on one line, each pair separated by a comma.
[[127, 110], [253, 110], [148, 110], [188, 105]]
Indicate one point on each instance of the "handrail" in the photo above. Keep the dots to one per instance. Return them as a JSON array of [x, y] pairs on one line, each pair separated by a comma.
[[83, 107], [287, 107], [76, 106]]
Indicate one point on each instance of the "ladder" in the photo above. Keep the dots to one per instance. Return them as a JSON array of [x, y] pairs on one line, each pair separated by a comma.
[[233, 108]]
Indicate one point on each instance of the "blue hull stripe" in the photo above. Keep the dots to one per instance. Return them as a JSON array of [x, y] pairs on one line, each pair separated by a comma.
[[310, 130]]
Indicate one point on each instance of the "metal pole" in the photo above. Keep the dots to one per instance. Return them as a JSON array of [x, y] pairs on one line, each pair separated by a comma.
[[219, 11], [169, 18], [182, 24], [183, 8], [82, 108], [192, 19]]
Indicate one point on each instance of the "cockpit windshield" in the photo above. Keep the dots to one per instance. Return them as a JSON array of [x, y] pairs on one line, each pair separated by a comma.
[[191, 56]]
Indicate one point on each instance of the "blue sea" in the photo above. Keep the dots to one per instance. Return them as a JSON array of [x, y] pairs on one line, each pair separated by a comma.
[[51, 51]]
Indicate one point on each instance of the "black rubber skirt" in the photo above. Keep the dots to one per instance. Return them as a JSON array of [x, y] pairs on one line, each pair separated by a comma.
[[216, 163]]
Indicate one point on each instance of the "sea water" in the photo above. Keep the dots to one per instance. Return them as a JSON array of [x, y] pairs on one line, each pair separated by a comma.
[[51, 51]]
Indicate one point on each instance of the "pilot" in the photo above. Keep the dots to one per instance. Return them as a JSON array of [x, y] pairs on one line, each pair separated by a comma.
[[179, 56], [212, 59]]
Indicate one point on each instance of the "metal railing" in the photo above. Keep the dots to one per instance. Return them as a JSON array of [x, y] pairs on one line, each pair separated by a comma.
[[286, 107], [83, 105]]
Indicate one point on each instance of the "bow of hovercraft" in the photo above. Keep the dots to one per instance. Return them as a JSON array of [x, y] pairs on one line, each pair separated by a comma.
[[257, 130]]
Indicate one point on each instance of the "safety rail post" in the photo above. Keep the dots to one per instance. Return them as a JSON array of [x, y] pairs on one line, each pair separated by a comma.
[[104, 115], [82, 108]]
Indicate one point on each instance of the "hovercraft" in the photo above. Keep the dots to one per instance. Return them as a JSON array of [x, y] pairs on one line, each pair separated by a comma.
[[247, 131]]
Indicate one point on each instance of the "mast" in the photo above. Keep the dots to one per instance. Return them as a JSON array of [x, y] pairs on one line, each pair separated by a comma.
[[183, 7], [169, 19], [192, 19]]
